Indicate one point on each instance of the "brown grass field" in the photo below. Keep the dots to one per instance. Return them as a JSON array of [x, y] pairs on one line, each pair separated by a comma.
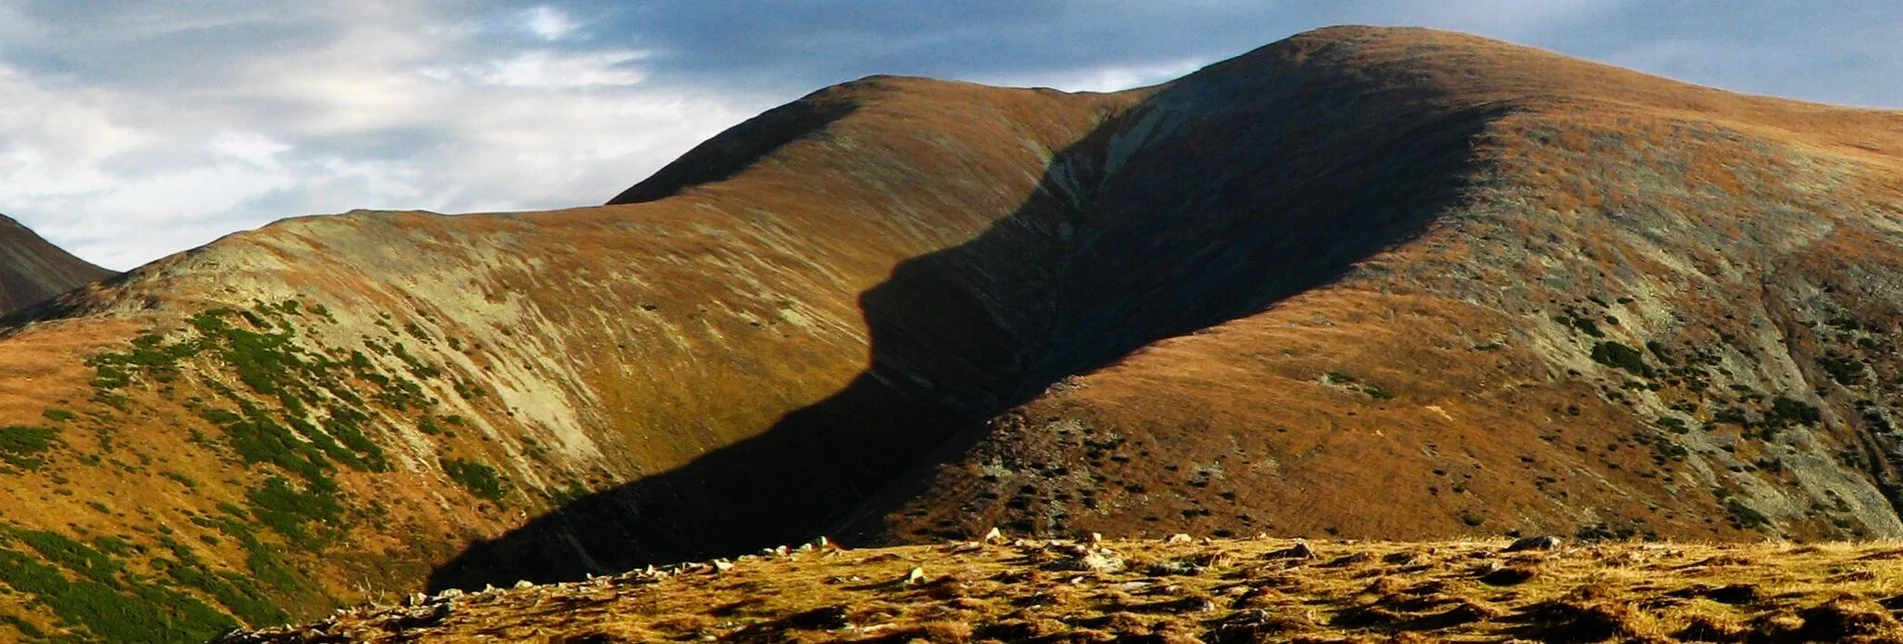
[[1219, 591]]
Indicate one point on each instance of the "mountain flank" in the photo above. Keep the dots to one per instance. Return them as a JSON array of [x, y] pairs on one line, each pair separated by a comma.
[[1360, 283], [33, 270]]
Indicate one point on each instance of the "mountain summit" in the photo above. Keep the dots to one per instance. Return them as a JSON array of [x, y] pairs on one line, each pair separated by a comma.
[[1363, 282]]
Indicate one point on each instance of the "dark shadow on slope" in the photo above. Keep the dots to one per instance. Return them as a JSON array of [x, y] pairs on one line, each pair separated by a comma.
[[1264, 187]]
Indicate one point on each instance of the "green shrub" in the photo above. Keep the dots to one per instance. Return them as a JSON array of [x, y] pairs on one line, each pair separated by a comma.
[[1744, 515], [1659, 351], [481, 480], [1731, 415], [289, 511], [1620, 356], [101, 597], [1581, 324], [1844, 370], [1786, 411], [20, 445], [182, 479]]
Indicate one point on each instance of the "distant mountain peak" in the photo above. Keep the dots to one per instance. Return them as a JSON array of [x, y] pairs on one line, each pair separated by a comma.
[[33, 269]]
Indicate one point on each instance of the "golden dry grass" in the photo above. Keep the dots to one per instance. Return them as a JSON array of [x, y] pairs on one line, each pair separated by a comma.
[[1263, 590]]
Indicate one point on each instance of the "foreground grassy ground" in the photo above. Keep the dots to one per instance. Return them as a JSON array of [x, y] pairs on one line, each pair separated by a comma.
[[1179, 590]]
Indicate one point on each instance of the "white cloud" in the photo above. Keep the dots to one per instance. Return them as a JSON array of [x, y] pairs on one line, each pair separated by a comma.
[[550, 23], [1100, 79], [550, 69], [380, 113], [145, 127]]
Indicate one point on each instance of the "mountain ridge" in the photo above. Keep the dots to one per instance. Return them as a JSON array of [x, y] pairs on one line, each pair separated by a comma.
[[1360, 282]]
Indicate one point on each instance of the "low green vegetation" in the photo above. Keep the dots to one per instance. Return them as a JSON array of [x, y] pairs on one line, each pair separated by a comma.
[[92, 591], [1845, 370], [1343, 379], [290, 511], [1744, 515], [23, 446], [1619, 356], [1660, 353], [1580, 323], [481, 480], [294, 415], [1788, 411]]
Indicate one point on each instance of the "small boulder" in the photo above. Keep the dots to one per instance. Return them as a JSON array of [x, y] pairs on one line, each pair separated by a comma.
[[1091, 561], [993, 535], [1297, 551], [1542, 542], [1174, 568], [524, 584], [1179, 539], [914, 577]]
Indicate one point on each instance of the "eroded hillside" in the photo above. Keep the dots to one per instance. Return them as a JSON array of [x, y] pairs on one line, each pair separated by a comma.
[[1364, 282]]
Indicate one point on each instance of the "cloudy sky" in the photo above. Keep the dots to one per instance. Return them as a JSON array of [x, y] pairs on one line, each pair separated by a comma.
[[130, 129]]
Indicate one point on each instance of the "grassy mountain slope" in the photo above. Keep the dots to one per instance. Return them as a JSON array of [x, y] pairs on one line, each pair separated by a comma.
[[1368, 282], [1651, 309], [325, 409]]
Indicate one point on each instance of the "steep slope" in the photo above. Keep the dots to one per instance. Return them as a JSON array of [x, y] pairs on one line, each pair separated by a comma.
[[32, 270], [1383, 283], [1371, 282], [1654, 309], [325, 409]]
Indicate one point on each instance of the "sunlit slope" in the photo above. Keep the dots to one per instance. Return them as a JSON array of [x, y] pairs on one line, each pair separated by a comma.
[[1366, 282], [1650, 309], [329, 407]]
